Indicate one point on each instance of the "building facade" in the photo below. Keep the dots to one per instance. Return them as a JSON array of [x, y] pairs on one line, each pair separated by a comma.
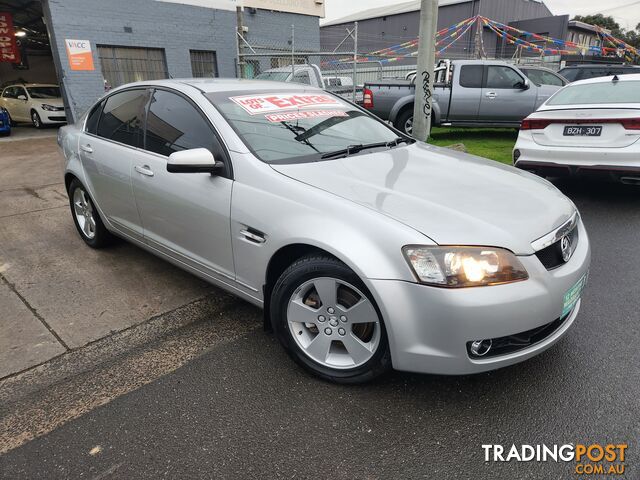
[[95, 45], [382, 27]]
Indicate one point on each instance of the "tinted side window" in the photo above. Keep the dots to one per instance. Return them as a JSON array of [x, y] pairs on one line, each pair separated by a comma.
[[569, 73], [123, 117], [8, 92], [503, 77], [17, 91], [173, 124], [92, 120], [471, 76]]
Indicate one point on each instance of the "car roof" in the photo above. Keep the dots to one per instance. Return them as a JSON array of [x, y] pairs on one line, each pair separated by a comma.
[[609, 65], [214, 85], [287, 69], [622, 78]]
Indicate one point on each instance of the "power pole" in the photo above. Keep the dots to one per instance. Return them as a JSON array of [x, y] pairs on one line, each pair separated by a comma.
[[426, 61]]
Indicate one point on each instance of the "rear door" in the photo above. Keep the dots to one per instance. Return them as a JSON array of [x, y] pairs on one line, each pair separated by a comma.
[[465, 94], [110, 145], [504, 100], [185, 215]]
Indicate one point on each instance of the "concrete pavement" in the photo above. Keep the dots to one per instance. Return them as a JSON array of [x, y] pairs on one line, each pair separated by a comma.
[[56, 294]]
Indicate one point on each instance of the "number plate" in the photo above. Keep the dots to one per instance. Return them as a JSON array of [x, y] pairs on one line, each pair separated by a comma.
[[573, 295], [591, 131]]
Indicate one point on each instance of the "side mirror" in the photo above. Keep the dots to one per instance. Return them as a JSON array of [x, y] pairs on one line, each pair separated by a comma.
[[197, 160], [526, 85], [22, 97]]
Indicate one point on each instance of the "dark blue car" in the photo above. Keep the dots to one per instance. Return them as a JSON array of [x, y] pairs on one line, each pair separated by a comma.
[[5, 123]]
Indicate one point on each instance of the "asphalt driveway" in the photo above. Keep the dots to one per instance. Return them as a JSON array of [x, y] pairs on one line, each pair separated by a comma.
[[243, 410]]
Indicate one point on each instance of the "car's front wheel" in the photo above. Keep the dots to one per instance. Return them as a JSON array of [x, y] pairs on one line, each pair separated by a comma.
[[326, 319], [35, 119], [86, 217]]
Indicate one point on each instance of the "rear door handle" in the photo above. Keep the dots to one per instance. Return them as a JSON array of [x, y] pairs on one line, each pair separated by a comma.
[[144, 170], [86, 148], [490, 95]]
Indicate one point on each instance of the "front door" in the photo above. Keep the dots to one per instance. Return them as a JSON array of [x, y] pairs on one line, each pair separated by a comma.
[[504, 98], [185, 215], [109, 149]]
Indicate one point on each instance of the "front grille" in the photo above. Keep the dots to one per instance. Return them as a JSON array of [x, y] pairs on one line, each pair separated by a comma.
[[551, 256], [519, 341]]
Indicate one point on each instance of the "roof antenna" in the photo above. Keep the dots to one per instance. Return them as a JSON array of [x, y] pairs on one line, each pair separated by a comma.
[[615, 79]]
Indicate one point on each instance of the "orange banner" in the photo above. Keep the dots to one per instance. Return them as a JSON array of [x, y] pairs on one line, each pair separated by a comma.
[[80, 55]]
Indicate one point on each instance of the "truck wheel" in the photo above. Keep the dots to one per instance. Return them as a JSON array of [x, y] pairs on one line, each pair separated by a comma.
[[327, 321], [404, 121]]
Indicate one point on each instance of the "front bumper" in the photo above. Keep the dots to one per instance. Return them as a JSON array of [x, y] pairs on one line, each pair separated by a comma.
[[563, 161], [429, 327], [50, 117]]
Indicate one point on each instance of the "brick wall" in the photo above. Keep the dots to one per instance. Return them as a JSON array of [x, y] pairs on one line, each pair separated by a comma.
[[176, 28]]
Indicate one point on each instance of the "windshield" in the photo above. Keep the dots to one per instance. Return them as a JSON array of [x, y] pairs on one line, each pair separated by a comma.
[[598, 93], [569, 73], [285, 127], [274, 76], [44, 92]]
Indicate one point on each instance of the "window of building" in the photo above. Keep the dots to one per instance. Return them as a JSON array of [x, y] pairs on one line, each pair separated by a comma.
[[204, 64], [123, 117], [122, 65]]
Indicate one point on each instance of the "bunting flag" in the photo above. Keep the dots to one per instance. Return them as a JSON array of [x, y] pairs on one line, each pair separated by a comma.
[[524, 40]]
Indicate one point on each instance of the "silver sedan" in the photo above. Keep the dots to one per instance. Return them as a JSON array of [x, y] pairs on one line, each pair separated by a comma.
[[366, 250]]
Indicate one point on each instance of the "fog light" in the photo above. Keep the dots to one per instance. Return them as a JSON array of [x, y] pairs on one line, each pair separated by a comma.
[[516, 155], [479, 348]]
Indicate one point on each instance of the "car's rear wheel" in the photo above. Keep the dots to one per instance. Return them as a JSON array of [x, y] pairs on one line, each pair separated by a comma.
[[86, 217], [328, 322], [404, 121], [35, 119]]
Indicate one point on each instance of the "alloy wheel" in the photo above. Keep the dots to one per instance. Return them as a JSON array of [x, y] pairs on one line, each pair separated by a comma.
[[83, 210], [334, 323]]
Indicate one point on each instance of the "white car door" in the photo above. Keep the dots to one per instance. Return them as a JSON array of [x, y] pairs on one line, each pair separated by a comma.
[[21, 105]]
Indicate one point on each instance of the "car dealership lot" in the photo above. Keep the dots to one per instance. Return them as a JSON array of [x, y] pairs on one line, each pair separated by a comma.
[[244, 408]]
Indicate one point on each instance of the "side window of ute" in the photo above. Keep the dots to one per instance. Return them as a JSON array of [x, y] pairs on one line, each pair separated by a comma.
[[503, 78], [174, 124], [471, 76], [122, 117]]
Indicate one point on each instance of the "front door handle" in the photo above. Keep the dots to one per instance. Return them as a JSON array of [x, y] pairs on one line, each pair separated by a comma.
[[490, 95], [144, 170], [86, 148]]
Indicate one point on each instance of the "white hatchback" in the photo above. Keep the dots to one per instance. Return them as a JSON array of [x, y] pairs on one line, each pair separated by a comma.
[[590, 127], [40, 104]]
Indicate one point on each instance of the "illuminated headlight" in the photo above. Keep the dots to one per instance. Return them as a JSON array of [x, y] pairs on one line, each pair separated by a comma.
[[457, 267], [49, 108]]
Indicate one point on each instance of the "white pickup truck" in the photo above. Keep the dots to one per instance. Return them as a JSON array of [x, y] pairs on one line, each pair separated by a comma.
[[310, 74]]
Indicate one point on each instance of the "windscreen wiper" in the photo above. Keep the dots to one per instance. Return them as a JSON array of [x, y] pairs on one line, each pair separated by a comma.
[[345, 152]]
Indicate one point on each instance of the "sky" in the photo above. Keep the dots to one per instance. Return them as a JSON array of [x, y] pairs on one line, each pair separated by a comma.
[[626, 12]]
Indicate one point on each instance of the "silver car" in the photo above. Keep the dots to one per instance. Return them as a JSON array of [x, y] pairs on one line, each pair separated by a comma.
[[365, 249]]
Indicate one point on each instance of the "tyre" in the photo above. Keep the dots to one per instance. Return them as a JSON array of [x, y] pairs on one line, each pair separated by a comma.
[[404, 121], [327, 321], [86, 217], [35, 119], [11, 122]]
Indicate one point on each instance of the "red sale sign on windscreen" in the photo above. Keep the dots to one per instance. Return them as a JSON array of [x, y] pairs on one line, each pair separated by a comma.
[[255, 104], [8, 48]]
